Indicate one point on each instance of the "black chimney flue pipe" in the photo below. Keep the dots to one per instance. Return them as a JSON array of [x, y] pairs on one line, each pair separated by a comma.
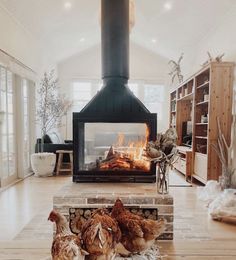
[[115, 39]]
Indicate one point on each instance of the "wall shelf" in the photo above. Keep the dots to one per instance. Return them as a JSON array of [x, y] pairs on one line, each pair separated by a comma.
[[201, 123], [203, 85], [203, 103], [186, 97], [201, 137]]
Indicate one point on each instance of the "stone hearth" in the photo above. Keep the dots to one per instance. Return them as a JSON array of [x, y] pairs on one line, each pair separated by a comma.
[[135, 196]]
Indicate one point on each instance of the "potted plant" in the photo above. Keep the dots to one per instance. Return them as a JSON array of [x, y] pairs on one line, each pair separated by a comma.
[[51, 107]]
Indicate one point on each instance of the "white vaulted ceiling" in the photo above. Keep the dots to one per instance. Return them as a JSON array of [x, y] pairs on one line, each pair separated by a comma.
[[62, 33]]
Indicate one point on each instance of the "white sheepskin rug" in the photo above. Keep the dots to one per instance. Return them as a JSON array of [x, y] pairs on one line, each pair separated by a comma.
[[223, 208], [151, 254], [208, 193], [221, 204]]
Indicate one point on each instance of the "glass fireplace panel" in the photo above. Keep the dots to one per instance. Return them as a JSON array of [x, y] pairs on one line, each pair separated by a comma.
[[115, 147]]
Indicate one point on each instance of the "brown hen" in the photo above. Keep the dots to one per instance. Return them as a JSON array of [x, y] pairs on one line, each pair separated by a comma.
[[100, 235], [65, 245], [138, 234]]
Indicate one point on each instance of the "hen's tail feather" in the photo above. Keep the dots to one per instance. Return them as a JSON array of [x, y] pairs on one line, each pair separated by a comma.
[[72, 247], [98, 232]]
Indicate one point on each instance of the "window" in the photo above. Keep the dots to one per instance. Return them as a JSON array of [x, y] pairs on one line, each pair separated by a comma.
[[152, 95], [154, 99], [134, 87], [82, 91], [7, 136], [81, 94]]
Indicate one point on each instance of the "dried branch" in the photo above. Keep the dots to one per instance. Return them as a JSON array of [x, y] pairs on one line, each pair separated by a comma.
[[225, 152], [221, 151], [176, 70], [221, 141], [215, 147]]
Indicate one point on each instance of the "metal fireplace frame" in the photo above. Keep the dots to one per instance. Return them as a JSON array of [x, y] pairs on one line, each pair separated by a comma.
[[109, 176]]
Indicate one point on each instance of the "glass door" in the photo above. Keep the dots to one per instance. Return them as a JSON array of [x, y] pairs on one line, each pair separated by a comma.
[[7, 128]]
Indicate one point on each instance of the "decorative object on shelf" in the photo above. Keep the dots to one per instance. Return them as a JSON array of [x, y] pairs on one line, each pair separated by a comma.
[[43, 164], [204, 118], [176, 70], [173, 106], [201, 148], [185, 92], [51, 106], [163, 152], [205, 95], [211, 59], [224, 152]]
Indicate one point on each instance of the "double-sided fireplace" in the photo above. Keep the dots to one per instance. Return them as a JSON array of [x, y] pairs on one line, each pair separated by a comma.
[[111, 132]]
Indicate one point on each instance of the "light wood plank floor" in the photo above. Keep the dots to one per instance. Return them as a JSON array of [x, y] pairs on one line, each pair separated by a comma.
[[197, 237]]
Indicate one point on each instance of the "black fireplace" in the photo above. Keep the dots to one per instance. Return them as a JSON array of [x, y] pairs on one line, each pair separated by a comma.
[[111, 131]]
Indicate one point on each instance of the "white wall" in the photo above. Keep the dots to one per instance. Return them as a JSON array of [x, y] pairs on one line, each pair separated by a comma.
[[221, 39], [144, 65], [17, 42]]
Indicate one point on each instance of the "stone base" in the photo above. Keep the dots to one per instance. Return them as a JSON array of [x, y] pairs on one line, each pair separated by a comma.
[[142, 198]]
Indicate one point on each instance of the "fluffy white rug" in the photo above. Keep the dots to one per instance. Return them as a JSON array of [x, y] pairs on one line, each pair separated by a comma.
[[151, 254], [223, 208], [221, 204], [209, 192]]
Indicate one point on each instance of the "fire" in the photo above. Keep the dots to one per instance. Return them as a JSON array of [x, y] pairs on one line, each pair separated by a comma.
[[127, 155]]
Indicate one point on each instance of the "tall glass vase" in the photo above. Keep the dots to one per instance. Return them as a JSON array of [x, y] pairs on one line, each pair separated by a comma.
[[162, 177]]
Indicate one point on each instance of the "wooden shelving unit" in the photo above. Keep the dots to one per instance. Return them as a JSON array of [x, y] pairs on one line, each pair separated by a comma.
[[201, 99], [213, 95], [184, 103]]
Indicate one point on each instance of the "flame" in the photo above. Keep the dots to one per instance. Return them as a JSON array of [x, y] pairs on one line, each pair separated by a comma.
[[133, 151]]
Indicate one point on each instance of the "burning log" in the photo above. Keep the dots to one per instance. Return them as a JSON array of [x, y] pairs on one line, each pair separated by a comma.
[[116, 160]]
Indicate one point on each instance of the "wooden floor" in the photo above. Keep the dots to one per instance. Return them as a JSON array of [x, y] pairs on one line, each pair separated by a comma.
[[197, 237]]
